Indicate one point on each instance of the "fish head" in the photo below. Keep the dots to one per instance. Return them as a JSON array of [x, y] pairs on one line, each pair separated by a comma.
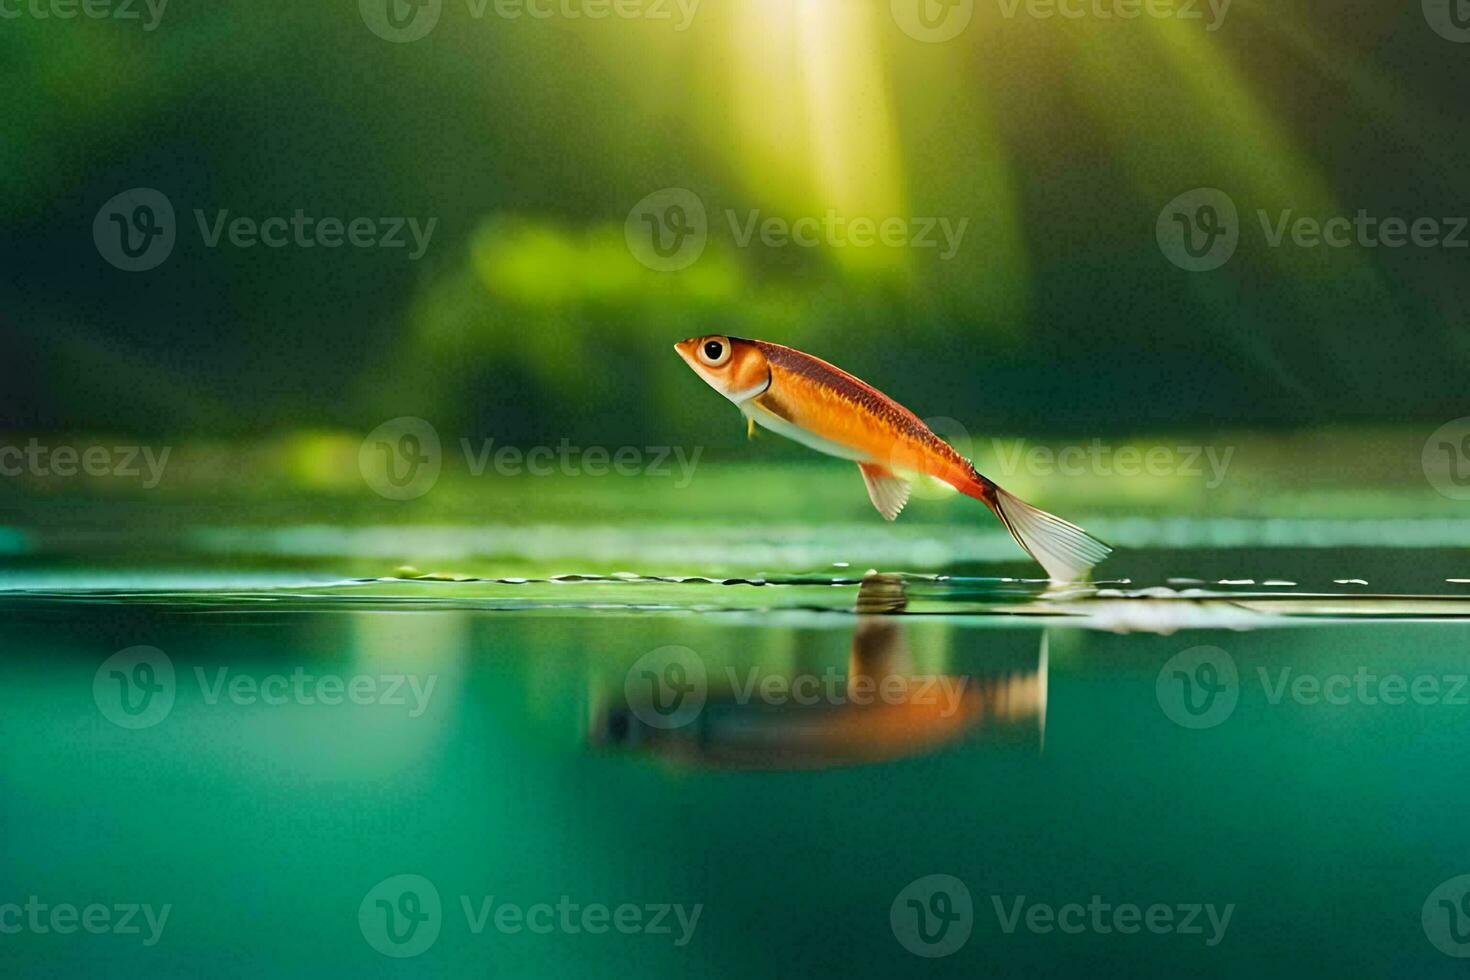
[[734, 367]]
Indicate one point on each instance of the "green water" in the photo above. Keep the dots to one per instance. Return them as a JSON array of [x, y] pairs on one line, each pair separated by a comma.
[[1137, 778]]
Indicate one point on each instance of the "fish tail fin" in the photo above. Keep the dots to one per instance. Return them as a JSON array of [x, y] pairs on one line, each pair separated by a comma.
[[1067, 552]]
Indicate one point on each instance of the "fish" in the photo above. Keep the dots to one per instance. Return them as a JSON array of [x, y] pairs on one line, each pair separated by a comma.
[[821, 406]]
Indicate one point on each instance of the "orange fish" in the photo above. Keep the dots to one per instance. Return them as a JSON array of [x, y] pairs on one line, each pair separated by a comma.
[[827, 409]]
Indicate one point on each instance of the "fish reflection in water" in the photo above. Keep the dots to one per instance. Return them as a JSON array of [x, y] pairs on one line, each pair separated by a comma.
[[883, 710]]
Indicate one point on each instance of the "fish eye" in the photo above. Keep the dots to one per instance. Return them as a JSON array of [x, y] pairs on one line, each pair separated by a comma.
[[715, 351]]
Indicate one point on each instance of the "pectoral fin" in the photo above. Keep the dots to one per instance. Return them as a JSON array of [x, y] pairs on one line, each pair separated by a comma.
[[887, 491], [749, 427]]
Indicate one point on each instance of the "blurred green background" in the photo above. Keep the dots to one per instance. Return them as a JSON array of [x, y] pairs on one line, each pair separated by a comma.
[[530, 143]]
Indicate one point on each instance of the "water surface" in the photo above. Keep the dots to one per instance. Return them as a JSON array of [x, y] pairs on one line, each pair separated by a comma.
[[796, 756]]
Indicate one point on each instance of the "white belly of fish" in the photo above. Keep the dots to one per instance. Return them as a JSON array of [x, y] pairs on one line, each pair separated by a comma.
[[778, 425]]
